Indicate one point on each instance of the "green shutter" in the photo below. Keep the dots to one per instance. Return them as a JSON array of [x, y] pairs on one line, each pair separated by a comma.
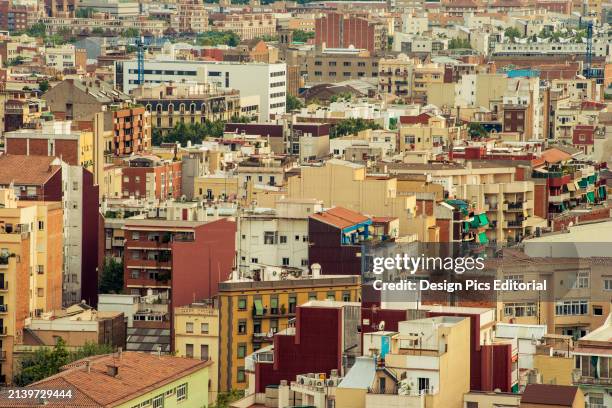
[[591, 197], [483, 220], [258, 308], [482, 238], [274, 302]]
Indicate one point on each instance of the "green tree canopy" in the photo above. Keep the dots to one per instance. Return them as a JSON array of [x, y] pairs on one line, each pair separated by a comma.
[[130, 33], [218, 38], [111, 279], [194, 132], [293, 103], [456, 43], [351, 126], [46, 361], [302, 36], [37, 30], [512, 33], [43, 86]]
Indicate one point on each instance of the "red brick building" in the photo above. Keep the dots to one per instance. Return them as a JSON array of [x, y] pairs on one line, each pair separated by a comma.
[[583, 138], [335, 30], [177, 260], [149, 176], [132, 131]]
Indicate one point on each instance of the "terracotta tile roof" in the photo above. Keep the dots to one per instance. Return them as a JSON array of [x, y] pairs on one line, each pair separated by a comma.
[[422, 118], [557, 395], [340, 217], [555, 155], [138, 373], [21, 169]]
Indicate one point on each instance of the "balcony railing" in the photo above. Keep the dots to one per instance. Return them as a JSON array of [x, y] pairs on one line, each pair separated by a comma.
[[578, 378]]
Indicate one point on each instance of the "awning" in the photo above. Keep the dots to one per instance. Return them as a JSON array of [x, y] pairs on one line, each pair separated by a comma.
[[484, 221], [258, 308], [482, 238], [591, 197]]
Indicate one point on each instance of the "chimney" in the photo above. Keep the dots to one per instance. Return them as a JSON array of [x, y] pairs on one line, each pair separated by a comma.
[[112, 370]]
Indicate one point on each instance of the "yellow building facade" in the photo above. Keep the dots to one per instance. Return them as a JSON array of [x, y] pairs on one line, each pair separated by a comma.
[[251, 312], [196, 335]]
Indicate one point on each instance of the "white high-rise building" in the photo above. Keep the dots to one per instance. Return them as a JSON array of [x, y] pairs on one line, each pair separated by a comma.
[[268, 81]]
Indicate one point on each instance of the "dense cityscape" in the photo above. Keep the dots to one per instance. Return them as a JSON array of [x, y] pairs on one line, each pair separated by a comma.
[[311, 204]]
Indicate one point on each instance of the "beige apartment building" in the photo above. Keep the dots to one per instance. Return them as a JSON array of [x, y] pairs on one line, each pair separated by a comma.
[[431, 137], [395, 76], [509, 204], [346, 184], [248, 25], [196, 335], [337, 65], [424, 76]]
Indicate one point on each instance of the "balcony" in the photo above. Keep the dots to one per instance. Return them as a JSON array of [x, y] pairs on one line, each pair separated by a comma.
[[578, 378], [559, 198], [4, 308], [262, 337], [515, 224]]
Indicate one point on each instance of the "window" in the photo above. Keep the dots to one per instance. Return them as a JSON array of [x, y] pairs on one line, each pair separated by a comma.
[[382, 384], [204, 328], [285, 261], [471, 404], [240, 375], [312, 296], [515, 278], [189, 327], [204, 352], [331, 296], [608, 284], [274, 305], [283, 239], [242, 304], [135, 235], [423, 384], [241, 350], [597, 311], [582, 280], [158, 402], [292, 304], [242, 327], [135, 274], [297, 237], [40, 292], [520, 309], [189, 350], [269, 238], [40, 269], [181, 392], [346, 297], [571, 308], [41, 225]]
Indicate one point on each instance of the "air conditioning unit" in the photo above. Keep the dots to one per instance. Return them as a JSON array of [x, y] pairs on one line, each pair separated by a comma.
[[320, 383], [332, 382]]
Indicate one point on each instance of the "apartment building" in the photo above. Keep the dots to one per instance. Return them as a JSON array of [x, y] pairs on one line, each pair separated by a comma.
[[247, 25], [196, 335], [30, 269], [45, 178], [171, 104], [347, 184], [252, 311], [276, 237], [132, 130], [592, 373], [177, 260], [57, 139], [431, 356], [149, 177], [395, 76], [268, 81], [191, 17], [427, 132], [337, 30], [340, 64], [65, 57]]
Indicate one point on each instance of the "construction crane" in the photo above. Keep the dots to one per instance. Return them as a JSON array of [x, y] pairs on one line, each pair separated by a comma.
[[588, 72], [140, 45]]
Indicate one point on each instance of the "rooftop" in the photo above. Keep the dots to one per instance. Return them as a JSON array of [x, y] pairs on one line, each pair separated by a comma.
[[31, 170], [340, 217], [547, 394]]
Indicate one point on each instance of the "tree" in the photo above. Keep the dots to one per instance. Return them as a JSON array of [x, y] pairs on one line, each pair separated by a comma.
[[46, 361], [38, 30], [456, 43], [293, 103], [302, 36], [225, 398], [512, 33], [43, 86], [130, 33], [193, 132], [111, 279], [351, 126], [97, 31], [218, 38], [477, 131]]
